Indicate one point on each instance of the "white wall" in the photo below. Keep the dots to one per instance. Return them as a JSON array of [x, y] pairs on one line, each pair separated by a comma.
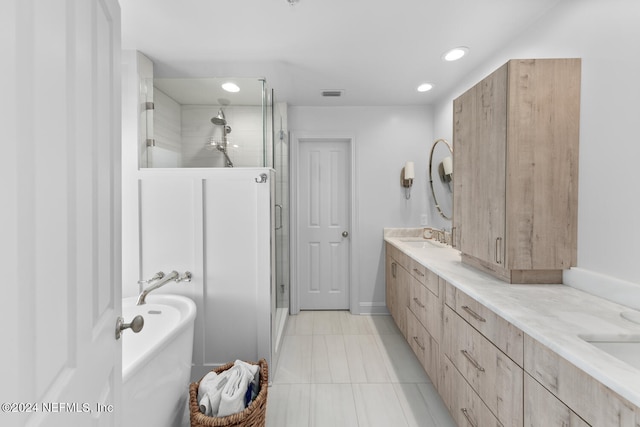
[[605, 35], [385, 138]]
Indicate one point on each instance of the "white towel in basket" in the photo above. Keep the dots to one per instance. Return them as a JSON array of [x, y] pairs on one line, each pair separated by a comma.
[[209, 392], [241, 376]]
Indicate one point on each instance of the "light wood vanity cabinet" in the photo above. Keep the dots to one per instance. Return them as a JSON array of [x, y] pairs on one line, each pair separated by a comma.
[[488, 372], [515, 155], [414, 300]]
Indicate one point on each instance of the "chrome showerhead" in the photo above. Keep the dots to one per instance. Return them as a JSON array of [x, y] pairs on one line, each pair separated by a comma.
[[219, 120]]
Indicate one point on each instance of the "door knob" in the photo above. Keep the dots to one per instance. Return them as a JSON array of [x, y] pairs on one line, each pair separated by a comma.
[[136, 325], [345, 234]]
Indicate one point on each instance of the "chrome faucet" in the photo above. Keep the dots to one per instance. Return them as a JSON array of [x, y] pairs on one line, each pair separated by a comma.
[[161, 281]]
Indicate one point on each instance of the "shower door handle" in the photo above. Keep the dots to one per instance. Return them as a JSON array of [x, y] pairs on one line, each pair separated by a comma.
[[279, 206]]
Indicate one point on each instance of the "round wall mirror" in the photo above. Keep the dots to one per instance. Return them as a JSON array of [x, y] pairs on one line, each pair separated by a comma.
[[441, 177]]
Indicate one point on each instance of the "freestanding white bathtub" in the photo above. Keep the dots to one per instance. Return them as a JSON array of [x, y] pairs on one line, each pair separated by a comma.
[[156, 362]]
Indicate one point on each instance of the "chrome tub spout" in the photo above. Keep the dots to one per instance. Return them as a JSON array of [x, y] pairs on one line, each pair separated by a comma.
[[164, 280]]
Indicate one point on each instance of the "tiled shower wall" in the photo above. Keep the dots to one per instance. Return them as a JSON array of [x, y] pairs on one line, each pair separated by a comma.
[[188, 128]]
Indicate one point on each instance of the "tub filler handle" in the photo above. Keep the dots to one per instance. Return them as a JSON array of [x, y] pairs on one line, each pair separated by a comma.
[[136, 325], [159, 275], [156, 283]]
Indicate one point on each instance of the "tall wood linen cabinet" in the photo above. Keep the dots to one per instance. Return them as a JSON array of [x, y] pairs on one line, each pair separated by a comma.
[[515, 140]]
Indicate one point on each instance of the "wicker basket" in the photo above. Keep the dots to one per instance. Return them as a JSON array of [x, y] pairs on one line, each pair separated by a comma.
[[253, 416]]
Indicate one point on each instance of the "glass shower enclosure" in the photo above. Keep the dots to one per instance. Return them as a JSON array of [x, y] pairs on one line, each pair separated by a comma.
[[282, 235], [221, 123]]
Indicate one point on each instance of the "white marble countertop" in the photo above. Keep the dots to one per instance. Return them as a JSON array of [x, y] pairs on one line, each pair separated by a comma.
[[555, 315]]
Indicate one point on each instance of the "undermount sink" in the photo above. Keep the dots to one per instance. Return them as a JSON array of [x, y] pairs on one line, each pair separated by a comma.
[[623, 347], [422, 243]]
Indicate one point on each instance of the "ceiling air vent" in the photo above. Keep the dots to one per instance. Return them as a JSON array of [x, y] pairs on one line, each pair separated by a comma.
[[332, 93]]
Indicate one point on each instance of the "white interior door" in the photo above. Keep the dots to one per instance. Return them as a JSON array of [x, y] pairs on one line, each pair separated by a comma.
[[324, 224], [60, 220]]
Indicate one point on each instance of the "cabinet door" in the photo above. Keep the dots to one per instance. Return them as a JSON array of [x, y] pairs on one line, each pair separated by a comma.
[[542, 409], [424, 346], [397, 292], [480, 129], [543, 135]]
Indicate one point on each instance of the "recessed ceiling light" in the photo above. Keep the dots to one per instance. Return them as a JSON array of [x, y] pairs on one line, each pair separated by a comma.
[[425, 87], [455, 53], [230, 87]]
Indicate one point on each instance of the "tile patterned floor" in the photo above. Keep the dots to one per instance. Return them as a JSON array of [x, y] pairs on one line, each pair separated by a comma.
[[336, 370]]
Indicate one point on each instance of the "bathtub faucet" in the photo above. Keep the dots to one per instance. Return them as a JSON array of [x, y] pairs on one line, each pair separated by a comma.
[[161, 281]]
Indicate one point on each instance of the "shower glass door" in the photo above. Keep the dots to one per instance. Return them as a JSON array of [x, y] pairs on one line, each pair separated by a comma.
[[281, 166]]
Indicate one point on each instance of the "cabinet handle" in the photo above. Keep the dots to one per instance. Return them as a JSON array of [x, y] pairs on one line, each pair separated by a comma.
[[393, 269], [473, 314], [418, 272], [470, 358], [465, 412], [453, 237], [498, 251], [418, 342], [418, 302]]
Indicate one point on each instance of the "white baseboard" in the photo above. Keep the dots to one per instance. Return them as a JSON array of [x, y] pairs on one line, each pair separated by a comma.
[[369, 308]]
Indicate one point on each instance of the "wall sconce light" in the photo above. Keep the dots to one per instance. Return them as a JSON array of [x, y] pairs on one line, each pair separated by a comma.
[[406, 179], [445, 169]]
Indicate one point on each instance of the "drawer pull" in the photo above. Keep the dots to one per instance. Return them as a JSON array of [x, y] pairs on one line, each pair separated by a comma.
[[475, 364], [418, 342], [393, 269], [418, 303], [473, 314], [465, 412], [418, 272]]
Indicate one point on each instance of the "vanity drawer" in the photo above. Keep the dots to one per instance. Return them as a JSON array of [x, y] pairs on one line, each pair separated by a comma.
[[403, 259], [501, 333], [494, 376], [543, 409], [425, 276], [465, 406], [426, 307], [587, 397], [424, 346]]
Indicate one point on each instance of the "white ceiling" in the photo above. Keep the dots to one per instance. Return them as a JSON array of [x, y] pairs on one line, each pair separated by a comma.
[[377, 52]]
